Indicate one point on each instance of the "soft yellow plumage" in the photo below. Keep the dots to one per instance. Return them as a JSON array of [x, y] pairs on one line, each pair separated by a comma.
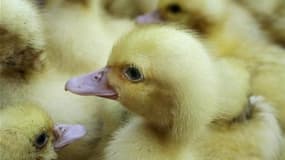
[[20, 126], [229, 31], [222, 23], [271, 16], [80, 33], [44, 85], [187, 103]]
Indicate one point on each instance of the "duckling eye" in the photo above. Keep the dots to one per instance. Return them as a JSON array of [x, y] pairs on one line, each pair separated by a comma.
[[133, 74], [174, 8], [41, 140]]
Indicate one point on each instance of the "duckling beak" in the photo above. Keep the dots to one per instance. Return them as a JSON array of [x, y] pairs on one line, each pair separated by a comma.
[[93, 84], [66, 134], [148, 18]]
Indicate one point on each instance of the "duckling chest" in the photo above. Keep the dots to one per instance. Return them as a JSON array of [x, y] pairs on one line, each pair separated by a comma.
[[138, 143]]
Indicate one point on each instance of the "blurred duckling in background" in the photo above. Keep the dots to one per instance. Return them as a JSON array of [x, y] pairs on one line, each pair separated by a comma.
[[21, 48], [21, 40], [271, 16], [27, 75], [80, 33], [221, 24], [186, 102], [221, 18], [129, 8], [28, 133]]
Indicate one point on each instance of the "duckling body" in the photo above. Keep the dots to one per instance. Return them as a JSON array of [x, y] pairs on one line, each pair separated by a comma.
[[137, 140], [185, 106]]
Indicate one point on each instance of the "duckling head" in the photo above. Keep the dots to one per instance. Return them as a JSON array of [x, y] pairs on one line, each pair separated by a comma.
[[158, 72], [198, 15], [27, 132]]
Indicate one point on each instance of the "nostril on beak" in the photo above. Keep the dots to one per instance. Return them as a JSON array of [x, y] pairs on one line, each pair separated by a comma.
[[98, 76]]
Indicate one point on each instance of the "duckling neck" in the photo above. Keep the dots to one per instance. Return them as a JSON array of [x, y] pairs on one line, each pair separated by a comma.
[[185, 125], [181, 127]]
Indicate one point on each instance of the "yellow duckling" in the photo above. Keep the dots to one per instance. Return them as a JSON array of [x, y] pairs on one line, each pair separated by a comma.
[[186, 102], [221, 25], [221, 18], [28, 133]]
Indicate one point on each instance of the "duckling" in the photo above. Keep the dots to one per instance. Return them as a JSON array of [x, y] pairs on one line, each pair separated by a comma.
[[27, 133], [270, 14], [185, 101], [220, 27], [88, 42], [209, 18], [43, 85], [21, 41]]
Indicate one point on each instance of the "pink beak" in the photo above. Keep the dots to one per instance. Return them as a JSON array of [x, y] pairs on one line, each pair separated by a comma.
[[67, 134], [94, 84]]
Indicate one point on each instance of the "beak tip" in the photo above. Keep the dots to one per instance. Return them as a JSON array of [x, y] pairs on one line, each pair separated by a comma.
[[70, 85], [66, 86]]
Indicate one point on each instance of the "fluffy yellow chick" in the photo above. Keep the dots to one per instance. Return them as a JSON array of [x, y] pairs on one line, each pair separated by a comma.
[[80, 33], [271, 15], [28, 133], [44, 85], [221, 24], [186, 102]]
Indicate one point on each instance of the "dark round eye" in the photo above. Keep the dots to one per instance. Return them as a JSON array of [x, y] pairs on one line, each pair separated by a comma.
[[174, 8], [41, 140], [133, 74]]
